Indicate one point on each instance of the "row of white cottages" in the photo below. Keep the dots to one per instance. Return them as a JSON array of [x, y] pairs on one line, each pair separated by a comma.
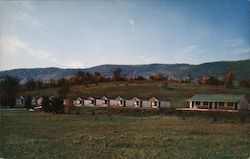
[[198, 101], [119, 102], [104, 102]]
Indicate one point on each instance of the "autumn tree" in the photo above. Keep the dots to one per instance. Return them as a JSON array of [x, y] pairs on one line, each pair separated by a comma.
[[30, 84], [117, 74], [97, 77], [228, 79], [80, 77], [63, 91]]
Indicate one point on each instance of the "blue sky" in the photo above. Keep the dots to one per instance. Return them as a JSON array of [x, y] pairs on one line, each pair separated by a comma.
[[80, 34]]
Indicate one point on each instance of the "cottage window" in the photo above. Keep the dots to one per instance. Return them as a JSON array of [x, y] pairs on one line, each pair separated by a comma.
[[221, 103], [197, 103], [230, 104], [205, 103], [121, 102]]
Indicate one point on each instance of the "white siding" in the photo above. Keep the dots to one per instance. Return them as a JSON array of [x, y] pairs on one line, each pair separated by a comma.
[[88, 102], [129, 103], [114, 102], [100, 102], [165, 104], [146, 104]]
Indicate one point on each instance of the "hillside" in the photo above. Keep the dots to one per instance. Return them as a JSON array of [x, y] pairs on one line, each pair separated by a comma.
[[239, 68]]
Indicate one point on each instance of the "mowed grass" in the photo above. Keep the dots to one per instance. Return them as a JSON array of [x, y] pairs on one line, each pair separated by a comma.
[[41, 135], [175, 92]]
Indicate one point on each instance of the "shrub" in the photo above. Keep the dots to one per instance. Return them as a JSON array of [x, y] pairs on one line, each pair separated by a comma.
[[28, 104], [57, 105], [46, 104]]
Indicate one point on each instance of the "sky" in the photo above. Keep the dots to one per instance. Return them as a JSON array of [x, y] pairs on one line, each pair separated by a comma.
[[82, 33]]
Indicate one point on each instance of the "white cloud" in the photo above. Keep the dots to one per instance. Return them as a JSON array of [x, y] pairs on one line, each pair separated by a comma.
[[240, 51], [12, 47], [193, 49], [193, 53], [27, 4], [190, 49], [235, 42], [27, 19], [131, 23]]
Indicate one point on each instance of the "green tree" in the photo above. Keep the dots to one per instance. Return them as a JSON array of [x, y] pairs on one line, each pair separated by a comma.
[[8, 89], [46, 104], [28, 103], [57, 104]]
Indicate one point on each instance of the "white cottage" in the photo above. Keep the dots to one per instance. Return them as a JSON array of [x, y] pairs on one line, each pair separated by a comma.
[[154, 102], [119, 101], [39, 101], [218, 101], [90, 101], [103, 101], [136, 102], [78, 102], [20, 101]]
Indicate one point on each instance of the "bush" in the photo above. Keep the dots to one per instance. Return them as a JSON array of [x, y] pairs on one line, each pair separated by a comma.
[[57, 104], [54, 105], [28, 104], [46, 104]]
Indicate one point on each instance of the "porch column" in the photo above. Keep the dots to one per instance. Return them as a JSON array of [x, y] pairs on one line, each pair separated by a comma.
[[190, 104]]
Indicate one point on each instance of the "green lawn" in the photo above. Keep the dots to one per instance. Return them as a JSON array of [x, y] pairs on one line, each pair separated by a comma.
[[41, 135]]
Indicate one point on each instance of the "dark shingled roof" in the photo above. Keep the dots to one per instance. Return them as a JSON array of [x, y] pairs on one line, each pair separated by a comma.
[[217, 97]]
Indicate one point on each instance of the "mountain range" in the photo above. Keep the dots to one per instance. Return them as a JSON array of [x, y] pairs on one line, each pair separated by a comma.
[[240, 69]]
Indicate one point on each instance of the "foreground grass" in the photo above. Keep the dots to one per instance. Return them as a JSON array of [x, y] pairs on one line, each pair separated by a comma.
[[39, 135]]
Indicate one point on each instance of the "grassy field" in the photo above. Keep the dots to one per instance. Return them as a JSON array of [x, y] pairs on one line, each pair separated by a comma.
[[175, 92], [41, 135]]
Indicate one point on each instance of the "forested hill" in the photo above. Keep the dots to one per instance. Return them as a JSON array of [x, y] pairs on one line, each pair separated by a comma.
[[240, 69]]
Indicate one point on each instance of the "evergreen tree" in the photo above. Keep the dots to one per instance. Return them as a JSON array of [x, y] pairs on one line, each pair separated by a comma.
[[8, 89]]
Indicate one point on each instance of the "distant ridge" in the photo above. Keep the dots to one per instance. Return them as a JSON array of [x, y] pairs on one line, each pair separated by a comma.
[[240, 69]]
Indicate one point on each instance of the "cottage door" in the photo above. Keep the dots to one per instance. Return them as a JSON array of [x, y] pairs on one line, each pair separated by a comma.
[[236, 106], [210, 105]]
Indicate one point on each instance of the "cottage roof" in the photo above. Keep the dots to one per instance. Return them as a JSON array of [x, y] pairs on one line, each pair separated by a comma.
[[91, 98], [119, 98], [216, 97], [136, 99], [104, 98], [153, 99], [78, 98]]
